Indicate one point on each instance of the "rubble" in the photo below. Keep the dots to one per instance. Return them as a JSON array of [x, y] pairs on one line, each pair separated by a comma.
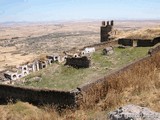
[[108, 50], [134, 112]]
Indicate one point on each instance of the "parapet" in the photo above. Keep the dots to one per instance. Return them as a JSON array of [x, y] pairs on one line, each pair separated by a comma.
[[107, 23]]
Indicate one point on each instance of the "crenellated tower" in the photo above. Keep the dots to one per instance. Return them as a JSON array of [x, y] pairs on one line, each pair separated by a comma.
[[106, 28]]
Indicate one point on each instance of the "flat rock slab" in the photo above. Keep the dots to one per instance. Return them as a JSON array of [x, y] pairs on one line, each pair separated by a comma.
[[133, 112]]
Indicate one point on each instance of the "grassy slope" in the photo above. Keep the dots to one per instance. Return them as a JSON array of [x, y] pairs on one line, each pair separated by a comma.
[[143, 88], [58, 76]]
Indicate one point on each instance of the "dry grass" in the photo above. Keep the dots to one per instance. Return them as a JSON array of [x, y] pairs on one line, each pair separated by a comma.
[[140, 86], [144, 34]]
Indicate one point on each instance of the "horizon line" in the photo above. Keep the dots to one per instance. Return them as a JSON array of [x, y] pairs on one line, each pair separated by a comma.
[[75, 20]]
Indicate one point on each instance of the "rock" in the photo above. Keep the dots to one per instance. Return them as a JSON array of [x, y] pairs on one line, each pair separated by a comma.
[[133, 112]]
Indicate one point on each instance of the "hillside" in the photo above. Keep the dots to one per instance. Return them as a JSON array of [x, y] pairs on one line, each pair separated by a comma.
[[139, 86]]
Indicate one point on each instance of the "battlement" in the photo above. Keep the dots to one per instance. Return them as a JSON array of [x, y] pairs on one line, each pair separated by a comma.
[[107, 23], [106, 27]]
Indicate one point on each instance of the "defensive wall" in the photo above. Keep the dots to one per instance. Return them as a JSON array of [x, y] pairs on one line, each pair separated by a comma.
[[37, 96], [139, 42], [96, 91], [106, 28], [101, 46], [82, 96]]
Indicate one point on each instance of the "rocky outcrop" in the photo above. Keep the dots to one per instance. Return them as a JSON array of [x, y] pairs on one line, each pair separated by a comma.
[[133, 112]]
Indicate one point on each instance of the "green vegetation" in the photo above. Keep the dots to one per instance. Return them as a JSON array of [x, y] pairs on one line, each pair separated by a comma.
[[58, 76], [139, 88]]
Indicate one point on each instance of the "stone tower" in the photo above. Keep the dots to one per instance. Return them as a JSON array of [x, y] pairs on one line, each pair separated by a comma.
[[105, 29]]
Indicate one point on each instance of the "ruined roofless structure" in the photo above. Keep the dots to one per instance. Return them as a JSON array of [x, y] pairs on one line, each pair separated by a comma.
[[105, 29]]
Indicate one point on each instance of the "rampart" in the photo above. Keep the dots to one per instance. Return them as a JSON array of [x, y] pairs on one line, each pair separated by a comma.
[[139, 42], [92, 93], [105, 29], [83, 96], [100, 46], [37, 96]]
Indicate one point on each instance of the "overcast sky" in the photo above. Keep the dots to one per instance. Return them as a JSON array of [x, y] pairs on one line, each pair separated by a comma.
[[52, 10]]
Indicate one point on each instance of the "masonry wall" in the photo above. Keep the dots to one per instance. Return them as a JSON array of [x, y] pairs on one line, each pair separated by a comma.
[[140, 42], [82, 62], [84, 96], [92, 93], [125, 42], [101, 46], [144, 43], [105, 29], [37, 96], [104, 33], [156, 40]]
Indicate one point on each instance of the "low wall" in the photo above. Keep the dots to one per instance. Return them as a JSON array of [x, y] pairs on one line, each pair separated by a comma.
[[92, 93], [154, 49], [140, 42], [145, 43], [82, 62], [156, 40], [125, 42], [84, 96], [103, 45], [37, 96]]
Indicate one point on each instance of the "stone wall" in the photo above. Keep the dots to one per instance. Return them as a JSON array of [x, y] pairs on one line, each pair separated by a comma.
[[156, 40], [125, 42], [82, 62], [92, 93], [144, 43], [105, 29], [84, 96], [140, 42], [37, 96], [101, 46], [97, 90]]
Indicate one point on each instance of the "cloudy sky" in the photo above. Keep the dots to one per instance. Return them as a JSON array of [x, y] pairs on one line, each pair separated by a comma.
[[52, 10]]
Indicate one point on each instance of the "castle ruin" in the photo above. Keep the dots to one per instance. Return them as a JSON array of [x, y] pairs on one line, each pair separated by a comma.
[[106, 28]]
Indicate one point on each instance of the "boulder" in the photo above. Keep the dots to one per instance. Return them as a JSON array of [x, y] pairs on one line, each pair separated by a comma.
[[133, 112]]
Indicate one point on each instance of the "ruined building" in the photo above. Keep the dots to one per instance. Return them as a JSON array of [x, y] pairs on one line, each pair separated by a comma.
[[80, 62], [106, 28]]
